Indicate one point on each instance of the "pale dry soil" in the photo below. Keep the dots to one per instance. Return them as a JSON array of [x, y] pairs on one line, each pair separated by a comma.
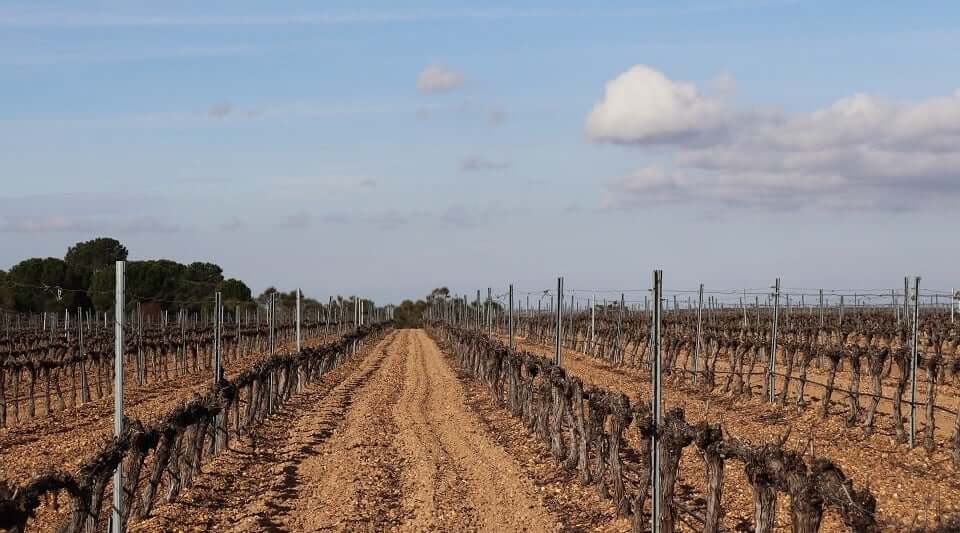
[[390, 441]]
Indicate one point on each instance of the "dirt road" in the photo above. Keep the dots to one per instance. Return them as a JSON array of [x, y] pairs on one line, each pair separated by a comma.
[[391, 445]]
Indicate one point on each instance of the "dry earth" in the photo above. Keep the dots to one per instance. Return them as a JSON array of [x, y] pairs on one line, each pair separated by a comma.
[[393, 440]]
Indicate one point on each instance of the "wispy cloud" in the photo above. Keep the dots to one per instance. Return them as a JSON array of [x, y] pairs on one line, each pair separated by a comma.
[[85, 224], [77, 19], [85, 212], [46, 224], [93, 56], [468, 110], [438, 79], [200, 117], [296, 221], [220, 110], [457, 216], [330, 182], [82, 204], [480, 163], [497, 116], [233, 224]]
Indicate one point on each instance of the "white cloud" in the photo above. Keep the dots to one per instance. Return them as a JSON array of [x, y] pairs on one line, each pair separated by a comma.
[[644, 106], [438, 78], [862, 151]]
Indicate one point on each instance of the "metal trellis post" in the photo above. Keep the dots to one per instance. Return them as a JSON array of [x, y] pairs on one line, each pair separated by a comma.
[[771, 376], [696, 349], [657, 407], [511, 317], [619, 352], [913, 361], [593, 323], [299, 341], [558, 359], [217, 339], [116, 525]]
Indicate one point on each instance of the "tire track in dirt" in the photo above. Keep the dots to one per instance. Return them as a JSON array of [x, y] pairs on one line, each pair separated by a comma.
[[352, 480], [457, 459], [336, 426], [410, 457], [434, 483]]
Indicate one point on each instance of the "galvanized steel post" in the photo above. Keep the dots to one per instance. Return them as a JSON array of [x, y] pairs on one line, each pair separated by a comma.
[[619, 353], [511, 317], [696, 349], [914, 361], [771, 373], [217, 340], [593, 323], [558, 359], [299, 340], [115, 525], [657, 400]]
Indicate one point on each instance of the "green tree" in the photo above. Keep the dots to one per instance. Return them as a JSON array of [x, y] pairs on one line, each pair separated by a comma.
[[6, 292], [86, 258], [199, 281], [410, 314], [95, 254], [264, 297], [289, 299], [204, 272], [149, 281], [235, 290], [46, 285], [439, 295], [86, 277]]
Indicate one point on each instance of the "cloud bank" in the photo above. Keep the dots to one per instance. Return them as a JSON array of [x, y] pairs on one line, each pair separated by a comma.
[[861, 152]]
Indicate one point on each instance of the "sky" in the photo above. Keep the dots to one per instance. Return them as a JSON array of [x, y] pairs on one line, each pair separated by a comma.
[[387, 148]]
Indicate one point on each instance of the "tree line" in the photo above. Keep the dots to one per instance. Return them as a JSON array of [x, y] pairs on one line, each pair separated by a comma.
[[85, 278]]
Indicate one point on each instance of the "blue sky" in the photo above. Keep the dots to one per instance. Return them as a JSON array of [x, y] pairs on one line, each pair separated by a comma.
[[367, 147]]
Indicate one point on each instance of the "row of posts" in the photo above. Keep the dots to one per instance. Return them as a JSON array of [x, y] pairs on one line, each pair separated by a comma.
[[218, 370], [656, 333]]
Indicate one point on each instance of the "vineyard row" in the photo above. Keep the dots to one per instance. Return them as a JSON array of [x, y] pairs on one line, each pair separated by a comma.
[[164, 456], [586, 430]]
